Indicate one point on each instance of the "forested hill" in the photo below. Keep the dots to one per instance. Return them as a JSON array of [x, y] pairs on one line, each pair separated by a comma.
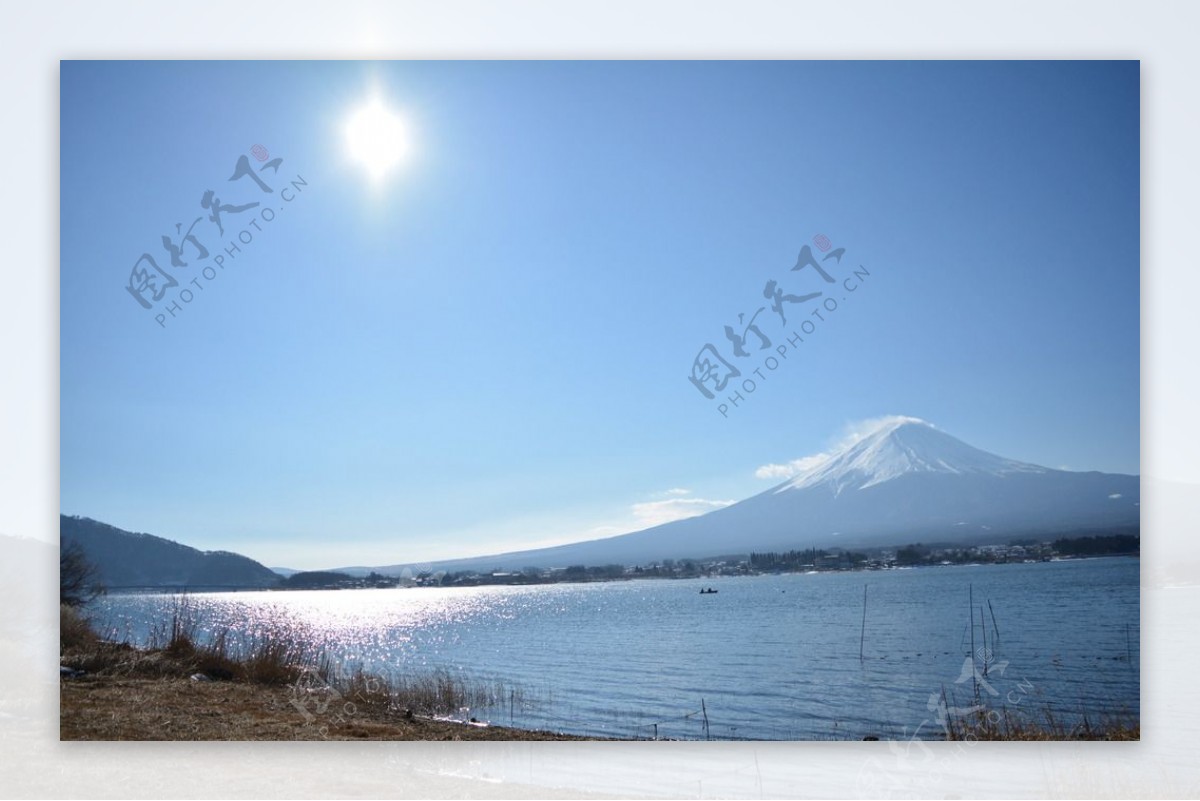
[[126, 559]]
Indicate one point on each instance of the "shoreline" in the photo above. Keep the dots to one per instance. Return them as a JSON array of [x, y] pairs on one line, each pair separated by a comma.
[[204, 589], [280, 685], [278, 690], [111, 708], [182, 688]]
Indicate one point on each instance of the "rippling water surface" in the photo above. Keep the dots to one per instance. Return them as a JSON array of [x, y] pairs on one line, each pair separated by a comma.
[[767, 657]]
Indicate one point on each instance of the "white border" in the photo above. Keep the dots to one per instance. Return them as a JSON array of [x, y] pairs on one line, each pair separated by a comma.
[[1161, 34]]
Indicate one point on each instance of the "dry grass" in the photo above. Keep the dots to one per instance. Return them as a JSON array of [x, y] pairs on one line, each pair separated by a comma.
[[275, 658], [437, 692], [1005, 724], [1044, 724], [269, 688], [100, 708], [73, 631]]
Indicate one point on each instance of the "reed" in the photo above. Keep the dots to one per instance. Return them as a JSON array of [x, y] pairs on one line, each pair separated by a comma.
[[180, 647], [862, 637], [1044, 725]]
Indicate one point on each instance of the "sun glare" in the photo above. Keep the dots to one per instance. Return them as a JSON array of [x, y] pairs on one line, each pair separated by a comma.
[[377, 138]]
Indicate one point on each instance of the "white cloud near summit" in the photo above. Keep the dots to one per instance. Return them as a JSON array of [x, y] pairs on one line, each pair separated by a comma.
[[678, 507], [792, 468], [851, 433]]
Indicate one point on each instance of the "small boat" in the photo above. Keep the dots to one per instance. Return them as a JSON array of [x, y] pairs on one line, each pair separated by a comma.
[[708, 591]]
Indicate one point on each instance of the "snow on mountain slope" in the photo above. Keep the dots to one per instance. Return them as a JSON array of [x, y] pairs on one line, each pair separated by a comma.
[[903, 481], [901, 446]]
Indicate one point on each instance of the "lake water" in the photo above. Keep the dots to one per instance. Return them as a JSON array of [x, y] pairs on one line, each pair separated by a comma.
[[767, 657]]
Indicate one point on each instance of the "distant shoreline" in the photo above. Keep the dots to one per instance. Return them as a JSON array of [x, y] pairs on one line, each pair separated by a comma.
[[204, 589]]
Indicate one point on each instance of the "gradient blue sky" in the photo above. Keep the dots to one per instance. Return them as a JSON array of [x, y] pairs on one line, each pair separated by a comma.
[[490, 350]]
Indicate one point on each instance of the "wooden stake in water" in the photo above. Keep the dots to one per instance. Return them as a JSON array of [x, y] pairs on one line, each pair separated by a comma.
[[971, 620], [862, 637], [704, 709], [983, 629]]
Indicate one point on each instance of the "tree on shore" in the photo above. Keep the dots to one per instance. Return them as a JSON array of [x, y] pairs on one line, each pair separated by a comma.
[[78, 577]]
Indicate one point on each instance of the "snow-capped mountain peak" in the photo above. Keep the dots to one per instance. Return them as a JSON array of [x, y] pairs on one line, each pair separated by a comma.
[[918, 484], [897, 447]]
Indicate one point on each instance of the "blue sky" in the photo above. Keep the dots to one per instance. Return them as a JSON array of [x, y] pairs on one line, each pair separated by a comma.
[[490, 349]]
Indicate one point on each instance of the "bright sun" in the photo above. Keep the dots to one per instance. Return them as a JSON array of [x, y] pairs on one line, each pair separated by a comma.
[[377, 138]]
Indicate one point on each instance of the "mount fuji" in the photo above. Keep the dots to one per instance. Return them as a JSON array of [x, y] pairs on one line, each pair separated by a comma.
[[905, 481]]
